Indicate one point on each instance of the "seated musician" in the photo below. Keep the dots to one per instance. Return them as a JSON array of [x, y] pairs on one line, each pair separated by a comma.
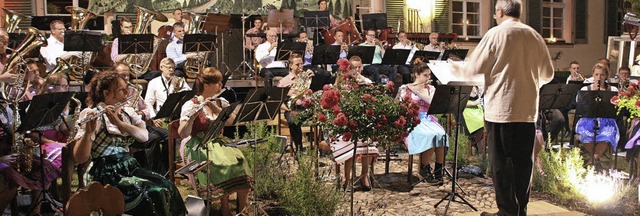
[[126, 28], [55, 46], [574, 68], [105, 139], [295, 72], [266, 56], [375, 68], [174, 49], [429, 136], [322, 6], [153, 156], [624, 77], [344, 47], [252, 42], [33, 77], [228, 164], [607, 133], [161, 87], [404, 43], [303, 37], [433, 45]]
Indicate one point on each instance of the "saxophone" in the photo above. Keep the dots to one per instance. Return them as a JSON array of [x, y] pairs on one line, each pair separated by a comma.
[[22, 146], [139, 89], [178, 83], [74, 118]]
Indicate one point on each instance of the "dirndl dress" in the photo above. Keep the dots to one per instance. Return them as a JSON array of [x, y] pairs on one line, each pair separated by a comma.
[[607, 132]]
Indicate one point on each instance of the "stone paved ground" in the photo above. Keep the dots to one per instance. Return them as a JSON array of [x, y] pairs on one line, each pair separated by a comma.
[[393, 195]]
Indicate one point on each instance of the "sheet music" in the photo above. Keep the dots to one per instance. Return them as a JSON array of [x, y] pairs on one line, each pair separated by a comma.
[[448, 74]]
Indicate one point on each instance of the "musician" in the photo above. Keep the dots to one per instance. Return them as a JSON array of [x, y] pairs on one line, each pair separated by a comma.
[[126, 28], [433, 45], [177, 15], [303, 37], [375, 68], [574, 68], [4, 41], [228, 164], [252, 42], [266, 55], [55, 46], [607, 133], [429, 136], [322, 6], [161, 87], [33, 76], [404, 43], [53, 136], [295, 72], [344, 47], [174, 49]]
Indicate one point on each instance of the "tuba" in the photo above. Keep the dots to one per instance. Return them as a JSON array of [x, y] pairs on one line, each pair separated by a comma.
[[139, 63], [193, 66], [79, 64], [14, 91], [61, 67], [12, 19]]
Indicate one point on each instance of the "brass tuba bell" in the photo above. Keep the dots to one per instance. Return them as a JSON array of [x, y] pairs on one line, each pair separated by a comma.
[[79, 17], [193, 66], [79, 64], [14, 91], [139, 63], [12, 19]]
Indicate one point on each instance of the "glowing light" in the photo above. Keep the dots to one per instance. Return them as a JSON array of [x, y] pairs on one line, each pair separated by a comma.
[[600, 188], [425, 8], [553, 39]]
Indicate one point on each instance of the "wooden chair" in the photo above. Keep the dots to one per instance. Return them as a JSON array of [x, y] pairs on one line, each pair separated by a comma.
[[173, 136], [107, 200]]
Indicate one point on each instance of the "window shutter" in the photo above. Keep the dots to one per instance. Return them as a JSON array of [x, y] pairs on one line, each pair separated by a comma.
[[395, 12], [613, 20], [441, 22], [581, 20], [23, 7], [534, 15]]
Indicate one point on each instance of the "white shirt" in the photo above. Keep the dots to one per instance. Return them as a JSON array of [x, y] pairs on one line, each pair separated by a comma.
[[267, 58], [432, 48], [158, 90], [174, 51], [111, 128], [53, 50], [514, 61], [187, 109], [407, 47]]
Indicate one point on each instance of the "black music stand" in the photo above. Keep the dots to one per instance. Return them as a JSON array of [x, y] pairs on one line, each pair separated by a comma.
[[173, 105], [451, 98], [374, 21], [82, 41], [596, 104], [325, 54], [395, 56], [15, 39], [199, 43], [44, 109], [426, 56], [286, 48], [556, 96], [578, 83], [261, 104], [455, 54], [364, 52], [316, 20]]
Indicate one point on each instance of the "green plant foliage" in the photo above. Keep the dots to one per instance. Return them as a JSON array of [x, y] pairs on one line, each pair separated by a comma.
[[560, 174], [464, 150]]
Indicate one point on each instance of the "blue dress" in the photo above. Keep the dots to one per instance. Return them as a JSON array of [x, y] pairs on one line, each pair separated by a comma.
[[429, 133], [608, 129]]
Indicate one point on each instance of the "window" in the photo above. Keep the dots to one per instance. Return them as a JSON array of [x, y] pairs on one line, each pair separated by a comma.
[[58, 6], [466, 18], [553, 20]]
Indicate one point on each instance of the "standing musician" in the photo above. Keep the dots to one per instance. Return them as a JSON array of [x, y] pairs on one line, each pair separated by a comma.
[[404, 43], [296, 72], [174, 49], [4, 41], [322, 6], [375, 68], [429, 136], [161, 87], [266, 56], [228, 164], [105, 139], [55, 46]]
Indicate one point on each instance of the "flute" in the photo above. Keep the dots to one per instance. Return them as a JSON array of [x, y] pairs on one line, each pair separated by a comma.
[[199, 107]]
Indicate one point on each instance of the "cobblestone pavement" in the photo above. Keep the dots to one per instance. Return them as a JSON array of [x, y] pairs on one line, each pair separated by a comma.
[[394, 195]]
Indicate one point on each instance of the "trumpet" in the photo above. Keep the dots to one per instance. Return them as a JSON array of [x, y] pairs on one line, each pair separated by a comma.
[[418, 45]]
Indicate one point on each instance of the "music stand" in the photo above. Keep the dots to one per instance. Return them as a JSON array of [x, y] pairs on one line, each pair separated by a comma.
[[173, 105], [460, 54], [261, 104], [374, 21], [44, 109], [578, 83], [278, 19], [325, 54], [217, 23], [316, 20], [82, 41], [556, 96], [395, 56], [596, 104], [426, 56], [286, 48], [15, 39], [199, 43], [364, 52], [451, 98]]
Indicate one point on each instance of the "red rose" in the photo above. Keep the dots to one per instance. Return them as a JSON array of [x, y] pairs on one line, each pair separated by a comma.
[[369, 112], [346, 76], [401, 122], [343, 64], [378, 126], [638, 104], [346, 136], [366, 96], [614, 100], [631, 89], [390, 86], [405, 134], [326, 87], [306, 103], [406, 98], [330, 98], [340, 120], [374, 99], [416, 121], [383, 119], [336, 110], [322, 118], [355, 86], [308, 92], [353, 125]]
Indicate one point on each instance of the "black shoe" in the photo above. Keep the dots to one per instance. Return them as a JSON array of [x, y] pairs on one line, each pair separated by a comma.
[[434, 181], [425, 171], [365, 188]]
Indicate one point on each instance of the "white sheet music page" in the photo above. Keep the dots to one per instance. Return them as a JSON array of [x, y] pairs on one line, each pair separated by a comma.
[[450, 73]]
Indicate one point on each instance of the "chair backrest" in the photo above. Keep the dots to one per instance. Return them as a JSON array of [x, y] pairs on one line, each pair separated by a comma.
[[96, 198], [173, 135]]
